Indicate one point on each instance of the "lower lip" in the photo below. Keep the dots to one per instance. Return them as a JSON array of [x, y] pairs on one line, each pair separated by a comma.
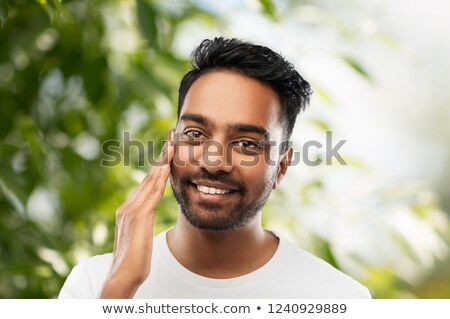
[[212, 197]]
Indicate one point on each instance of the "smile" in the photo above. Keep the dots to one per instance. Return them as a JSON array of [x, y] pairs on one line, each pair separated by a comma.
[[212, 190]]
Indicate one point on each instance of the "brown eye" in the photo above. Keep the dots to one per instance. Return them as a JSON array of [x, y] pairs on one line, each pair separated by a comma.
[[248, 144], [193, 134], [248, 147]]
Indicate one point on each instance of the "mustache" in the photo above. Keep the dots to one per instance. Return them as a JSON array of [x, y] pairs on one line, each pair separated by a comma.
[[220, 177]]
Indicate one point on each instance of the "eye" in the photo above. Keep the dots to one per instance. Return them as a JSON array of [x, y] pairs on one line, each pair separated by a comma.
[[193, 134], [248, 144]]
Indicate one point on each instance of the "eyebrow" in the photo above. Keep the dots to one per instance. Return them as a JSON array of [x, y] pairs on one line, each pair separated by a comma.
[[200, 119], [249, 128], [238, 127]]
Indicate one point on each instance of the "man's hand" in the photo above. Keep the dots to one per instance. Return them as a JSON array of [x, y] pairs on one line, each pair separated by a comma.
[[133, 242]]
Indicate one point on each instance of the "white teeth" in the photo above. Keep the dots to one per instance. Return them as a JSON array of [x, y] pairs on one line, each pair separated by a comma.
[[211, 190]]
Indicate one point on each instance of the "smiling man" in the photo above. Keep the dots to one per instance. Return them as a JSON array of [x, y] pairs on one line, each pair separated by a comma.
[[228, 151]]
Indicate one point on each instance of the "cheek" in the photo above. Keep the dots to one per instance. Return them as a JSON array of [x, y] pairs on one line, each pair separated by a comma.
[[185, 156], [258, 174]]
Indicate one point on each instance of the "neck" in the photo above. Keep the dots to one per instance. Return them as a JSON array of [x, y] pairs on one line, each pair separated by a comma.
[[221, 254]]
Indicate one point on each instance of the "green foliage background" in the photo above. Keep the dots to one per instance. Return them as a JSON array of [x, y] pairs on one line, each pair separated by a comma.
[[67, 85]]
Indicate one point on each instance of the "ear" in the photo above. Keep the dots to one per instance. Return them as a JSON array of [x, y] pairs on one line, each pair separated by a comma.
[[283, 166]]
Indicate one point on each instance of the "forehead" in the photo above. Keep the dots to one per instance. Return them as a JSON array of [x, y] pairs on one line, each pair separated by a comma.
[[226, 98]]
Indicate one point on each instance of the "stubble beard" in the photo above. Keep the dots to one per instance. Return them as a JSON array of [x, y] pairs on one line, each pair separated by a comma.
[[220, 217]]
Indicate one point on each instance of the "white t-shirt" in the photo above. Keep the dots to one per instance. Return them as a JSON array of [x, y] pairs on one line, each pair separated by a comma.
[[290, 273]]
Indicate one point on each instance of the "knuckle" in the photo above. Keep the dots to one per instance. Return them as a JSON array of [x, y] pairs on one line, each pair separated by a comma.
[[123, 210], [156, 188], [147, 178], [151, 177], [149, 198]]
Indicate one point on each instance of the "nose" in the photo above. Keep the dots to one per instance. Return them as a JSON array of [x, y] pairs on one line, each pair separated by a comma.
[[215, 157]]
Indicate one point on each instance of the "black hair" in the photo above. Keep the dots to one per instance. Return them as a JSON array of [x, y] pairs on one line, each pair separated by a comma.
[[257, 62]]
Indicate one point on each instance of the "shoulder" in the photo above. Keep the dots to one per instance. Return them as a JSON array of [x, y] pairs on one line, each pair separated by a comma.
[[325, 280], [86, 279]]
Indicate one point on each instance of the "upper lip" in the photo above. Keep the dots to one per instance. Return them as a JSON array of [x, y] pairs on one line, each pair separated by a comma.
[[214, 184]]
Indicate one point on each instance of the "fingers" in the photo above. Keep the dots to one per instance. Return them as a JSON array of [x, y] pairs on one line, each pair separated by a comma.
[[155, 183], [167, 151], [152, 187], [164, 158], [153, 198], [146, 199], [157, 177]]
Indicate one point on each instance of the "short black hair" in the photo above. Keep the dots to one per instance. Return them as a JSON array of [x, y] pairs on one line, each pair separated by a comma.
[[257, 62]]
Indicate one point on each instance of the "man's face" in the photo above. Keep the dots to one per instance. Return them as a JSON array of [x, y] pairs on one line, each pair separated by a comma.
[[222, 173]]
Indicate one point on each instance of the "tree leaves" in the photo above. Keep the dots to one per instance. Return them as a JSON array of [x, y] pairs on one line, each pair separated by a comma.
[[147, 18], [356, 66], [269, 9], [4, 11]]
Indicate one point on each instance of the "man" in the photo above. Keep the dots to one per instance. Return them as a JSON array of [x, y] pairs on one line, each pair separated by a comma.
[[237, 107]]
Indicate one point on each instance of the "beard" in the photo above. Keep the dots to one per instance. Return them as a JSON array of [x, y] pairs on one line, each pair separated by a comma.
[[221, 217]]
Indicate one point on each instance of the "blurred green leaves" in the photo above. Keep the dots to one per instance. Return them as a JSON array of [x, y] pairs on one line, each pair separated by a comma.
[[4, 11], [147, 15], [356, 66], [269, 9]]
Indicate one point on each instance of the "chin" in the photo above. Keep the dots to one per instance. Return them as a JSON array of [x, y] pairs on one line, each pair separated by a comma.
[[212, 221]]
